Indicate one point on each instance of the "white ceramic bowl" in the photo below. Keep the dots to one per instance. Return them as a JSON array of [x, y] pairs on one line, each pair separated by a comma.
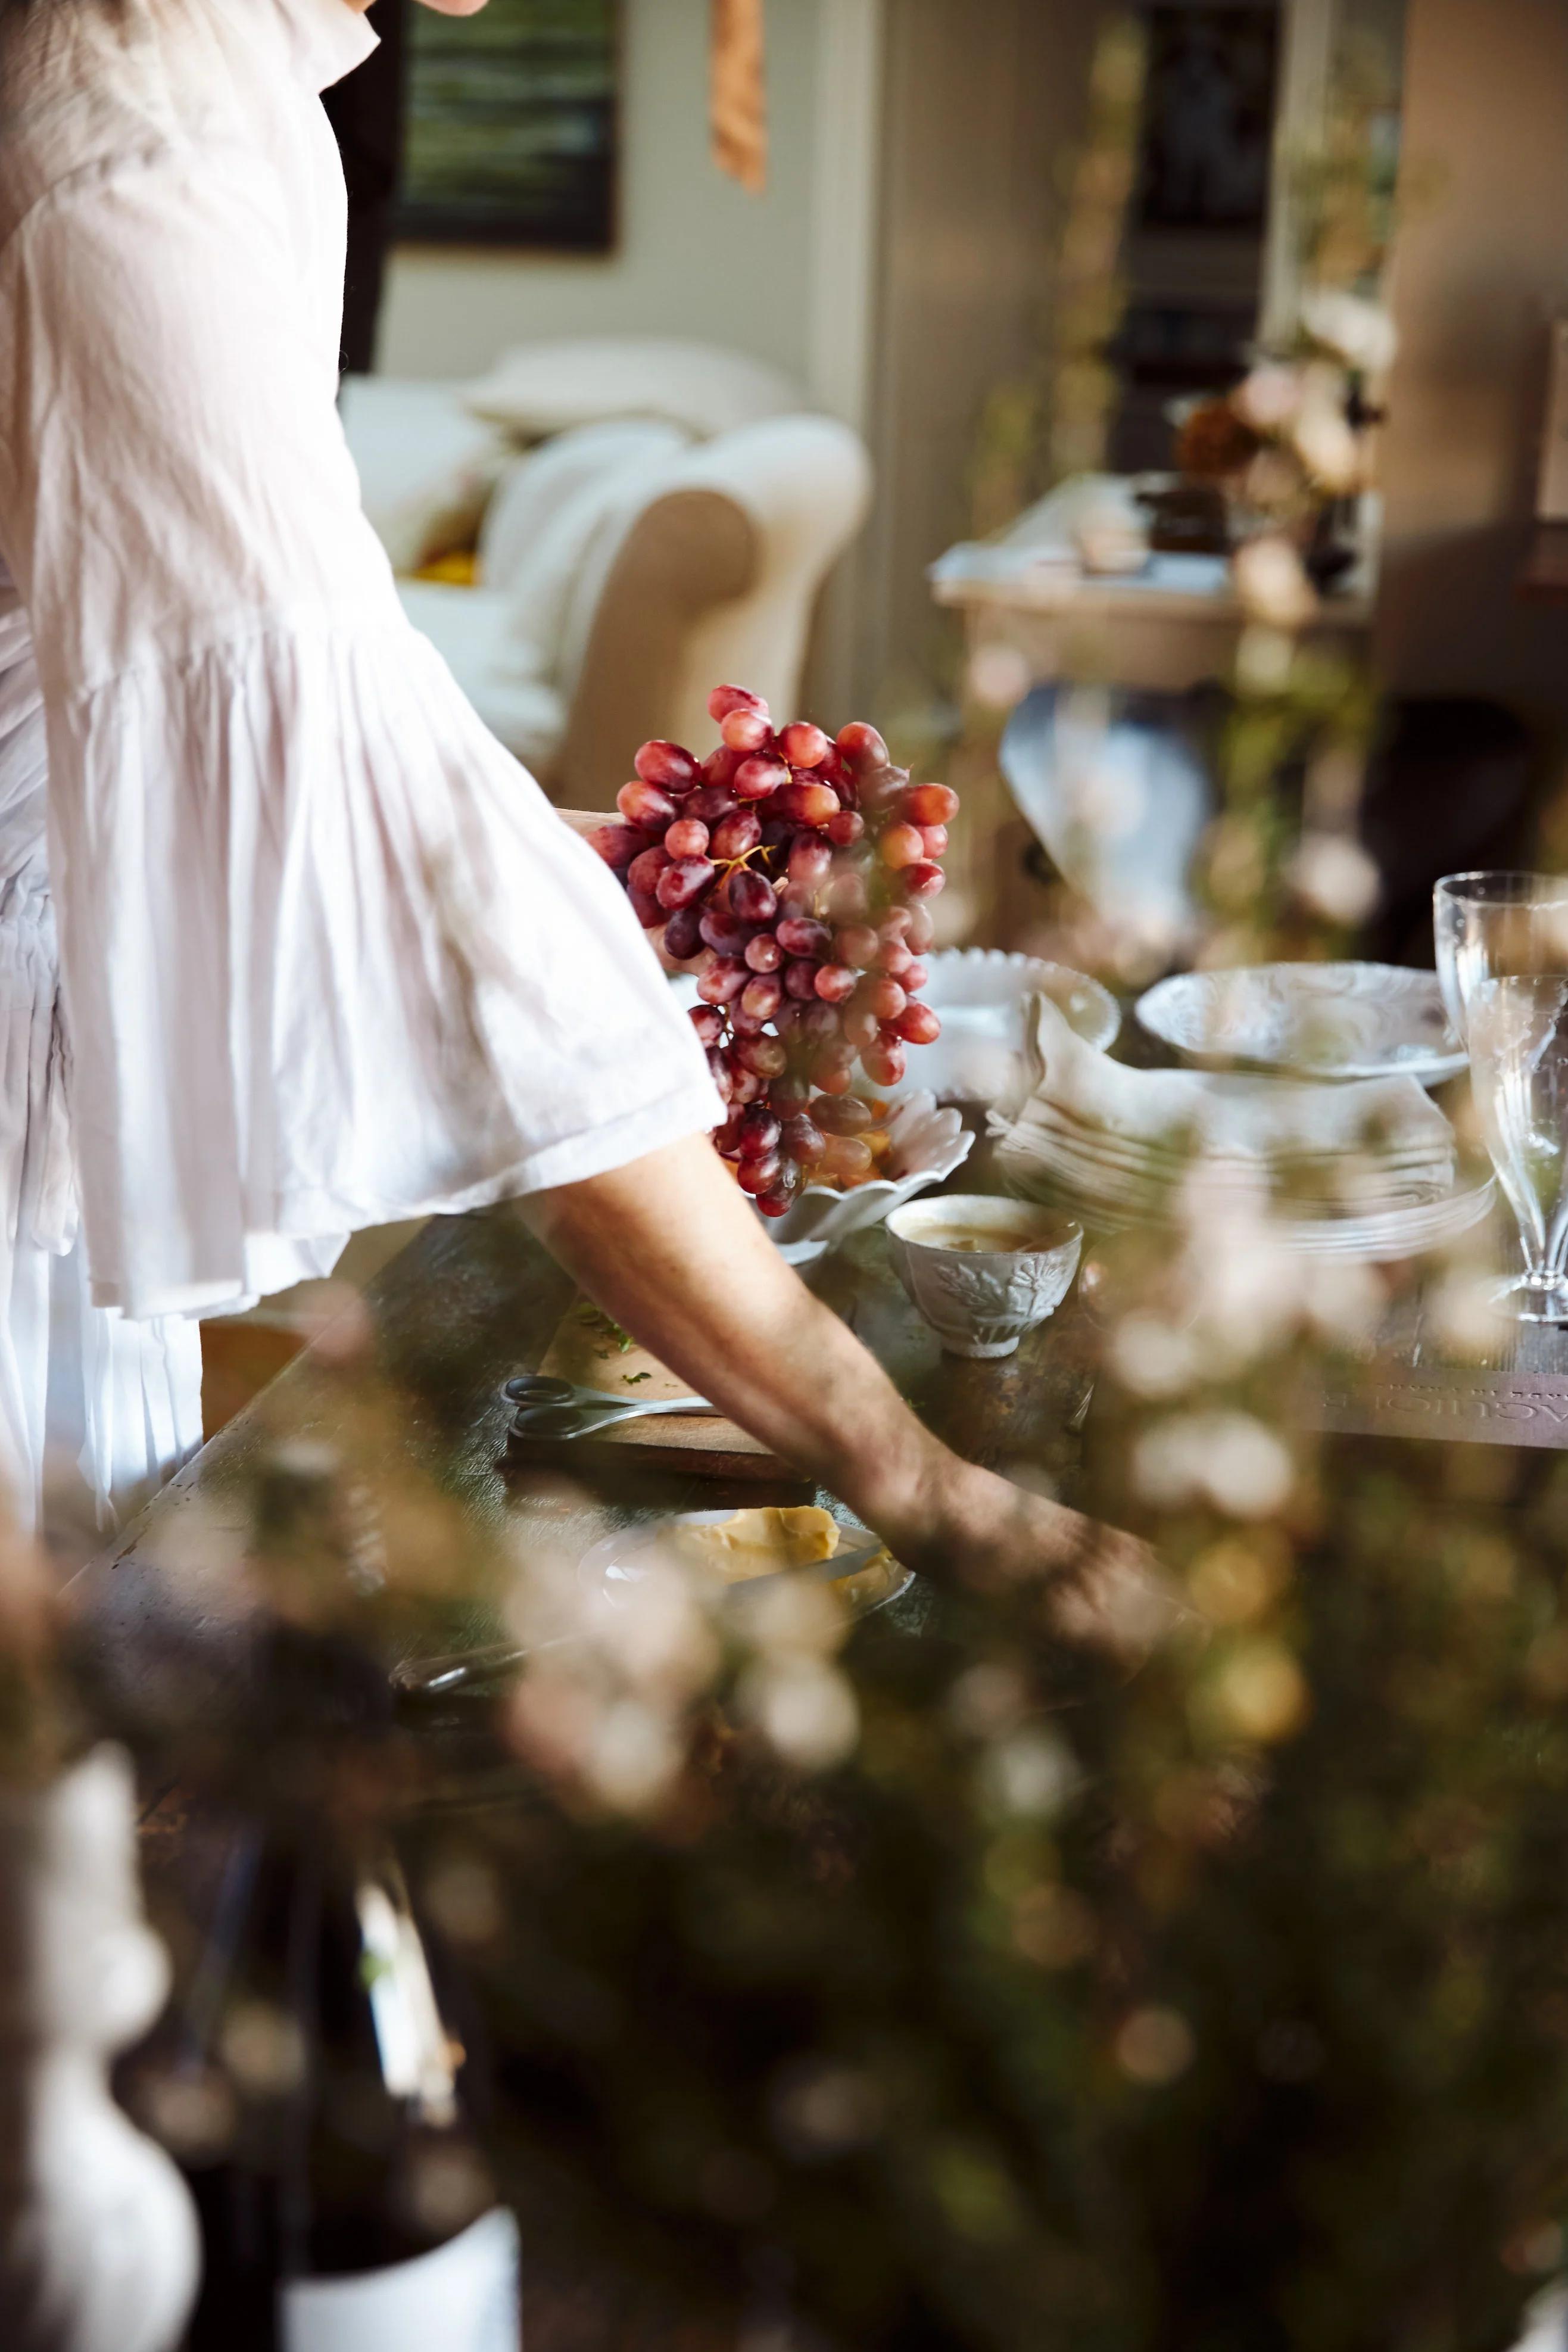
[[929, 1144], [981, 1301], [979, 994], [1322, 1021]]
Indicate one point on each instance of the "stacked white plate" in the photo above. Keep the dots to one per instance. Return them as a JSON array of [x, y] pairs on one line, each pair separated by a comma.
[[1361, 1169]]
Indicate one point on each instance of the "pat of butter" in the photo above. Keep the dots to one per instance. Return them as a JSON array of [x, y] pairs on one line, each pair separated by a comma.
[[764, 1542]]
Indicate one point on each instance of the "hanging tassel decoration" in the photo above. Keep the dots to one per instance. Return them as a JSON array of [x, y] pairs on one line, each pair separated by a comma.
[[737, 105]]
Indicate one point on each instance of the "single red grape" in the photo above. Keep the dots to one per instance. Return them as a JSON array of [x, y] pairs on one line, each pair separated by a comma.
[[801, 935], [687, 837], [836, 982], [834, 1077], [849, 1115], [722, 982], [934, 836], [912, 980], [720, 1071], [918, 1025], [724, 932], [779, 1201], [683, 882], [746, 1086], [738, 835], [767, 1055], [618, 844], [708, 1022], [803, 1139], [848, 899], [894, 958], [745, 731], [646, 805], [857, 944], [711, 803], [803, 745], [895, 923], [800, 980], [886, 999], [861, 1027], [923, 881], [918, 928], [726, 1138], [745, 1024], [752, 897], [883, 1064], [900, 845], [644, 870], [861, 747], [758, 779], [820, 1024], [760, 1131], [719, 766], [683, 934], [805, 802], [669, 765], [764, 953], [759, 1175], [726, 699], [810, 861], [929, 805], [762, 997], [845, 829]]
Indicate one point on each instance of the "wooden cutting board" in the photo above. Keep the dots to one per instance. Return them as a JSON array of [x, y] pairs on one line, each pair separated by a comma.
[[587, 1348]]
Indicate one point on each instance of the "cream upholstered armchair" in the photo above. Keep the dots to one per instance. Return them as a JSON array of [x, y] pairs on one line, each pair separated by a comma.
[[624, 568]]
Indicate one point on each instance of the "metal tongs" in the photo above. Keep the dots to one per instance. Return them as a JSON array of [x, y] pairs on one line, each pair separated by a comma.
[[545, 1407]]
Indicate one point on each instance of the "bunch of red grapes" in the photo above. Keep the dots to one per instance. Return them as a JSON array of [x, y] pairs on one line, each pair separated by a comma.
[[792, 872]]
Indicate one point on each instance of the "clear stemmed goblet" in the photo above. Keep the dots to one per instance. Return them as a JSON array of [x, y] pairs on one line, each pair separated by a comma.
[[1502, 963], [1519, 1072], [1488, 926]]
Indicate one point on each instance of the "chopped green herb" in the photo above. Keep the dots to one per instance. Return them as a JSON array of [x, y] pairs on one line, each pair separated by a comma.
[[631, 1379], [598, 1321]]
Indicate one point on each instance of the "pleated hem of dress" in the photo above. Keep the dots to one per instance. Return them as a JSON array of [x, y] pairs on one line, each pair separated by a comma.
[[312, 1216]]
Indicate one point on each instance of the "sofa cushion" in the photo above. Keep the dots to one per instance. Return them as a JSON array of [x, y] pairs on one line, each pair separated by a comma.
[[542, 388], [426, 464], [470, 628]]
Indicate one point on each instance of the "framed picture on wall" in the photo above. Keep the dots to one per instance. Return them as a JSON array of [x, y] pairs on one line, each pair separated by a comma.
[[511, 126], [1208, 116]]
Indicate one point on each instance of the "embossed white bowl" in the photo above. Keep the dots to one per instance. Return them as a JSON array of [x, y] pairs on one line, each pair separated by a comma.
[[981, 995], [929, 1144], [1337, 1021], [980, 1302]]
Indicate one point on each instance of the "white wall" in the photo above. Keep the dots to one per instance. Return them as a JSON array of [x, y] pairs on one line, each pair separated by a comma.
[[697, 255]]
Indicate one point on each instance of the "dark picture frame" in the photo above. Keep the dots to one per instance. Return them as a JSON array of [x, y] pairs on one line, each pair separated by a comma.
[[1208, 116], [511, 128]]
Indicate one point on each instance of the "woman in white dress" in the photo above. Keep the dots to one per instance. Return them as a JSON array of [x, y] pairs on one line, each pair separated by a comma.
[[329, 957]]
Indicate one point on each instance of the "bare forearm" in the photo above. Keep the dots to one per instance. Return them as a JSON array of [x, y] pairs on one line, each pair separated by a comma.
[[674, 1251], [671, 1249]]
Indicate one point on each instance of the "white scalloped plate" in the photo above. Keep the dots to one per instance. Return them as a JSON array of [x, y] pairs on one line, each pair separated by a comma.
[[979, 994], [929, 1144], [1331, 1021]]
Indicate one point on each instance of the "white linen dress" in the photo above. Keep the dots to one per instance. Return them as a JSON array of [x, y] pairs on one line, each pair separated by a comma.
[[328, 957]]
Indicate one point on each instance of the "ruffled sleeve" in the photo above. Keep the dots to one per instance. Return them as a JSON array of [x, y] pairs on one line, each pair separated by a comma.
[[330, 956]]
